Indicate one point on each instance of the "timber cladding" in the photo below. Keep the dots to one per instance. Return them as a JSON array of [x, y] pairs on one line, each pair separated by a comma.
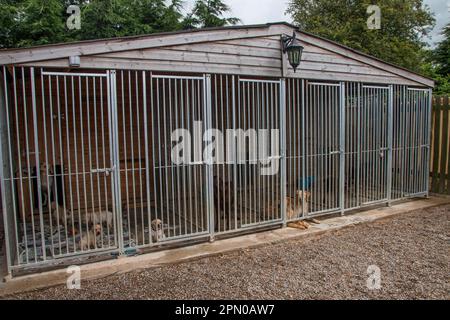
[[440, 157]]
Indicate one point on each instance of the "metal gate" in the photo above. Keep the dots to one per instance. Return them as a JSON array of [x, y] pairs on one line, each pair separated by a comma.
[[247, 113], [374, 144], [98, 162], [182, 203], [324, 118], [411, 152], [314, 153], [61, 173]]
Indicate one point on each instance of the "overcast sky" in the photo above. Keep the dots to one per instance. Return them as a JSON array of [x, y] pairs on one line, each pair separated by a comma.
[[262, 11]]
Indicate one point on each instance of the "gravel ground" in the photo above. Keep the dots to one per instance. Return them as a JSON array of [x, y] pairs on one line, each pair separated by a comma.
[[412, 252]]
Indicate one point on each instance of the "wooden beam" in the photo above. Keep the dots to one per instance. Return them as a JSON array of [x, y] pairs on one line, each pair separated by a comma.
[[123, 44], [328, 45]]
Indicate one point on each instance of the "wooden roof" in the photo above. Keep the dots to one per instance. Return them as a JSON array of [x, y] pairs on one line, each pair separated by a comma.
[[243, 50]]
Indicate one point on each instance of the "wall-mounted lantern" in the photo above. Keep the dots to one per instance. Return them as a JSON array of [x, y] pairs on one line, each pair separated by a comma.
[[294, 50], [74, 61]]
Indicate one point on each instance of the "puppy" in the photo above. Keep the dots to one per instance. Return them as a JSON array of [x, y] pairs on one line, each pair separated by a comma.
[[101, 217], [157, 230], [88, 240]]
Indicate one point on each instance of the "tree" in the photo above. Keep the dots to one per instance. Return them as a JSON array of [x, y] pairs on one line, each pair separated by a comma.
[[209, 13], [9, 21], [441, 54], [438, 64], [403, 25], [34, 22]]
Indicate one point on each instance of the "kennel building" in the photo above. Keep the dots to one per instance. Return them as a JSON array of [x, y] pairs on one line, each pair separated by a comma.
[[87, 139]]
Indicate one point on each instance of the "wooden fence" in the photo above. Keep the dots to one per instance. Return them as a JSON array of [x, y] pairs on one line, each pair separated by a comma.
[[440, 145]]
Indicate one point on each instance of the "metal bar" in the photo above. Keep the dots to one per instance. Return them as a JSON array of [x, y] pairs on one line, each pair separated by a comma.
[[20, 161], [259, 81], [390, 114], [70, 74], [342, 148], [303, 151], [324, 84], [156, 76], [132, 147], [428, 139], [38, 173], [9, 260], [209, 167], [46, 162], [282, 101], [115, 178], [418, 89], [82, 158], [66, 107], [375, 87], [97, 148], [139, 126], [146, 143]]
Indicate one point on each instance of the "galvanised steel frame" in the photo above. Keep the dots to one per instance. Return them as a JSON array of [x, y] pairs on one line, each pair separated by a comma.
[[93, 144]]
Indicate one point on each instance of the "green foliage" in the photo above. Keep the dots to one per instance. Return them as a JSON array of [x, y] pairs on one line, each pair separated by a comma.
[[441, 55], [403, 24], [437, 64], [26, 23], [34, 22], [209, 13]]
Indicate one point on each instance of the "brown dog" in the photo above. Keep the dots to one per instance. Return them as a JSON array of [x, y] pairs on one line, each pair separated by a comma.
[[294, 206]]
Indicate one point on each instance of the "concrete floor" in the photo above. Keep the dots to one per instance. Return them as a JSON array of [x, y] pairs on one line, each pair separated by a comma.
[[106, 268]]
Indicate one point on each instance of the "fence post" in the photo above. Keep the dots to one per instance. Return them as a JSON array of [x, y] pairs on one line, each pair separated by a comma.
[[209, 167], [429, 129], [390, 114], [342, 148], [114, 128], [283, 148], [4, 166]]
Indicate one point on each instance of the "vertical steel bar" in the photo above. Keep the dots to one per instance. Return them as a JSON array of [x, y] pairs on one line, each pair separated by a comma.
[[282, 102], [38, 173], [147, 160], [428, 139], [209, 166], [235, 162], [390, 114], [115, 179], [139, 127], [9, 258]]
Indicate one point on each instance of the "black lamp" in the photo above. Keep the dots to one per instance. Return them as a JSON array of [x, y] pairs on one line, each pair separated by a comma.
[[294, 50]]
